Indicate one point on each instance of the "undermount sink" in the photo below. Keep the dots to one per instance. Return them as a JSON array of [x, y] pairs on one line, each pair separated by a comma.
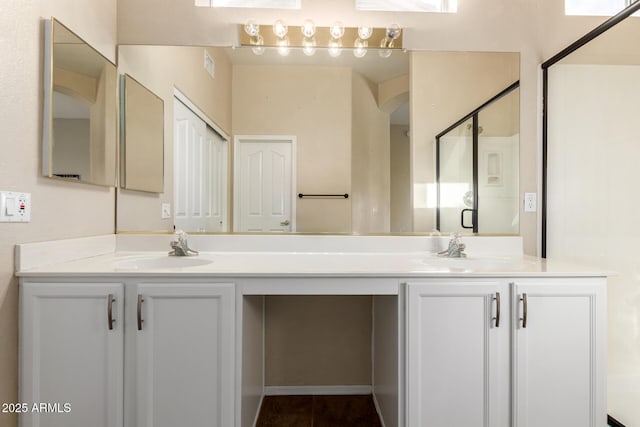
[[160, 262], [477, 264]]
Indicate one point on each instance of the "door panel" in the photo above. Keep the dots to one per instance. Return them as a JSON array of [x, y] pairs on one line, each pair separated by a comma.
[[458, 360], [70, 356], [264, 185], [200, 173], [559, 355], [185, 355]]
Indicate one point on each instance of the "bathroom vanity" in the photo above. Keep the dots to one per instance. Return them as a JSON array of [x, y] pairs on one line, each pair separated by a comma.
[[130, 337]]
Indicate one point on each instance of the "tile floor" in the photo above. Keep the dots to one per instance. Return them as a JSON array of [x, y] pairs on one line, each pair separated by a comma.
[[318, 411]]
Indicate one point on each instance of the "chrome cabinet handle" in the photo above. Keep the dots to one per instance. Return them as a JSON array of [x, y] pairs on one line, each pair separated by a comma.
[[523, 298], [140, 301], [497, 318], [110, 319], [285, 222]]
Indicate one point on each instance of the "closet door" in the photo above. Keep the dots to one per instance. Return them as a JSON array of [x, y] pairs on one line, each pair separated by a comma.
[[200, 173]]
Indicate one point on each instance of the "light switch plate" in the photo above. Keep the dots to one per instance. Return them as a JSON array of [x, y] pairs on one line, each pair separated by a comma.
[[166, 210], [15, 207], [530, 202]]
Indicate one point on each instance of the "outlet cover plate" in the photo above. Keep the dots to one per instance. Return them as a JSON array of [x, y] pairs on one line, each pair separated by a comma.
[[15, 206], [530, 202], [166, 210]]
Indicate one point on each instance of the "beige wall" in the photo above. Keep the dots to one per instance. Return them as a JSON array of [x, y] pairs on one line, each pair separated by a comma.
[[442, 85], [370, 176], [401, 214], [182, 67], [318, 340], [70, 148], [313, 104], [60, 209]]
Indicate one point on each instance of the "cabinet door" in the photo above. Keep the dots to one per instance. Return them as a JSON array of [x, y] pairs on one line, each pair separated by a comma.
[[458, 357], [185, 355], [559, 355], [69, 356]]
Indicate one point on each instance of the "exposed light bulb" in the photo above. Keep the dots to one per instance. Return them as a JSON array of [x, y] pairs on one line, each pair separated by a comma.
[[308, 28], [364, 32], [335, 48], [283, 46], [360, 48], [336, 30], [280, 29], [393, 31], [309, 46], [385, 53], [251, 28]]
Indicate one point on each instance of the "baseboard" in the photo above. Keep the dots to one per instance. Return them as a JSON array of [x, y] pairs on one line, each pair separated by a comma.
[[317, 390], [375, 403], [255, 419]]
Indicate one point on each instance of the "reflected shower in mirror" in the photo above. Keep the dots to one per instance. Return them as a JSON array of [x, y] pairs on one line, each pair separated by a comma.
[[79, 137], [476, 169]]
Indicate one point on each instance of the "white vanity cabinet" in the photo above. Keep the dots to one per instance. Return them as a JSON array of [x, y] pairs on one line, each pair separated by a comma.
[[71, 354], [544, 365], [133, 354], [559, 355], [182, 353], [458, 353]]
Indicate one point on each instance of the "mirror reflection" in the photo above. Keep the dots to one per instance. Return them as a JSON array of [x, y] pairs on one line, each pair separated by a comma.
[[344, 126], [141, 137], [476, 167], [80, 110]]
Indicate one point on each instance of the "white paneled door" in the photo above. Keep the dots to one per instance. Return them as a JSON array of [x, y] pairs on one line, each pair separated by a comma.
[[200, 173], [264, 184]]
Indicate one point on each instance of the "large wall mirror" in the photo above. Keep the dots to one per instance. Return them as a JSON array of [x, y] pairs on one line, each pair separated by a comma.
[[141, 137], [79, 137], [329, 127]]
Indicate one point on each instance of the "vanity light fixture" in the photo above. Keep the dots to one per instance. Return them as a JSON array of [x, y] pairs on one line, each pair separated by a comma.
[[280, 29], [308, 29], [335, 48], [360, 48], [392, 33], [364, 32], [283, 46], [336, 30], [308, 38], [309, 46]]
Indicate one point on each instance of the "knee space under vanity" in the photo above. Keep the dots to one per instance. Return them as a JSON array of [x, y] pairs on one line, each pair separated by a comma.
[[320, 345]]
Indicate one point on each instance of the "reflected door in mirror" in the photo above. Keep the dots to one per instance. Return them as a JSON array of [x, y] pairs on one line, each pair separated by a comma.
[[264, 185], [200, 173]]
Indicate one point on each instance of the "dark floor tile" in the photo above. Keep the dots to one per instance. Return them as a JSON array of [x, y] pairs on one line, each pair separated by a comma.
[[345, 411], [286, 411]]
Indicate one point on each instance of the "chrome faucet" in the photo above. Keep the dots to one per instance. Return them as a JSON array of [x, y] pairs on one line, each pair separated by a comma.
[[455, 249], [180, 246]]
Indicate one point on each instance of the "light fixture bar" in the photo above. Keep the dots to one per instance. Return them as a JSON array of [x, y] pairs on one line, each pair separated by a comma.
[[322, 38]]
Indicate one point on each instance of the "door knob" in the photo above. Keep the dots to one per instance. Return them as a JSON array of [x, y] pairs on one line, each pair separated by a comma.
[[285, 222]]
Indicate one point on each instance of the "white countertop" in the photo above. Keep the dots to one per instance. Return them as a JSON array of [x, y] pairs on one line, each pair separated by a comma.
[[310, 264]]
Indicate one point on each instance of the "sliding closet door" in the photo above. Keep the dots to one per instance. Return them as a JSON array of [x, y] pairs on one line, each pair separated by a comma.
[[200, 173]]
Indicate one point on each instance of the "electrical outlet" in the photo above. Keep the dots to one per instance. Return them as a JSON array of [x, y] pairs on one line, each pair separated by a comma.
[[166, 210], [530, 203], [15, 207]]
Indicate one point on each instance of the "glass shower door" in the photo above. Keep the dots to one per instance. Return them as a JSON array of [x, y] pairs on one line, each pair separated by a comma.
[[455, 177]]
